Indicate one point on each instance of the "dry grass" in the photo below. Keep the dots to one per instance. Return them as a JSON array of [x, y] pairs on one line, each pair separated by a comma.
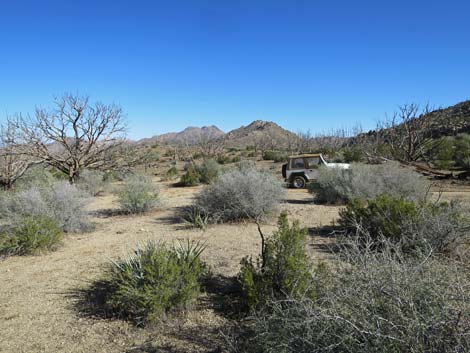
[[38, 301]]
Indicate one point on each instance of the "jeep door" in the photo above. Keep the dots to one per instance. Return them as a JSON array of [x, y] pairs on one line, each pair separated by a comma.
[[312, 164]]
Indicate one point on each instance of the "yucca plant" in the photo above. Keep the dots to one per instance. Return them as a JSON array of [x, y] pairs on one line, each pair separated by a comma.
[[156, 279]]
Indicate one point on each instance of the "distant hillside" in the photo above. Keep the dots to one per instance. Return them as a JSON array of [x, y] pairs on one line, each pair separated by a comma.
[[450, 121], [190, 135], [260, 132]]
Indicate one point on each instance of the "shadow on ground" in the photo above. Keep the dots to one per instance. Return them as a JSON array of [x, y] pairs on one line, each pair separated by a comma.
[[221, 294], [328, 234]]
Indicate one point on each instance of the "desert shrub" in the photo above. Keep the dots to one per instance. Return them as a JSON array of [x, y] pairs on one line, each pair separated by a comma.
[[368, 181], [443, 156], [171, 173], [35, 177], [156, 279], [352, 154], [374, 305], [415, 228], [236, 159], [62, 202], [208, 171], [92, 182], [138, 195], [282, 270], [241, 193], [274, 156], [223, 159], [462, 150], [194, 217], [191, 177], [30, 235]]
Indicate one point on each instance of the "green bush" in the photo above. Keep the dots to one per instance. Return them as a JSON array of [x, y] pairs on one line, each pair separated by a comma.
[[208, 171], [414, 228], [138, 195], [335, 185], [156, 279], [282, 270], [376, 305], [462, 151], [29, 236], [171, 173], [275, 156], [191, 177], [382, 216], [352, 154]]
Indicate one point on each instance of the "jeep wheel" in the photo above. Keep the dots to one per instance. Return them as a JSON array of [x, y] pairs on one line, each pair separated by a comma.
[[298, 182]]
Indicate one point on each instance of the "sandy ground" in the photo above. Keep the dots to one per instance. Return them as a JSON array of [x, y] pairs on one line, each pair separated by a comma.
[[39, 295]]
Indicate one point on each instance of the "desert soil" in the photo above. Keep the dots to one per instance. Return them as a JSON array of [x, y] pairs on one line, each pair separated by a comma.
[[40, 295]]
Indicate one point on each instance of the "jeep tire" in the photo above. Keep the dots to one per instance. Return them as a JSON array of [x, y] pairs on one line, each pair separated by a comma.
[[298, 182]]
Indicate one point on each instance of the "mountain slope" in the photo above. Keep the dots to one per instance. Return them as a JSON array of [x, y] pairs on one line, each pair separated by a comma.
[[259, 132], [190, 135]]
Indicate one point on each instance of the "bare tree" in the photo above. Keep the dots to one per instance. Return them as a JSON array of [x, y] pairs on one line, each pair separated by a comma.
[[13, 162], [408, 133], [75, 135], [210, 146]]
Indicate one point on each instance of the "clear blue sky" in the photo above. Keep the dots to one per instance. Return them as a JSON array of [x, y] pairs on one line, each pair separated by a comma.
[[170, 64]]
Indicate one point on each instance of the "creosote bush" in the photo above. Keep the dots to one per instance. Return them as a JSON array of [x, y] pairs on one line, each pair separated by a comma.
[[29, 236], [427, 227], [92, 182], [275, 156], [282, 270], [375, 305], [171, 173], [60, 201], [241, 193], [361, 181], [205, 173], [138, 194], [191, 177], [155, 280]]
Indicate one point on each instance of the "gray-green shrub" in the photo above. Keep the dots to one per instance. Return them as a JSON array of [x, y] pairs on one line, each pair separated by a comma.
[[60, 201], [438, 228], [374, 305], [156, 279], [138, 195], [29, 236], [368, 181], [208, 171], [92, 182], [242, 193]]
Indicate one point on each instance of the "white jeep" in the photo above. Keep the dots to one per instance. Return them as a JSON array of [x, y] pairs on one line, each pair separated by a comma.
[[299, 170]]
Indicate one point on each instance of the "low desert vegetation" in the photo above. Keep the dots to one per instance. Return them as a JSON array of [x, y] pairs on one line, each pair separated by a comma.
[[374, 304], [138, 195], [92, 182], [60, 201], [158, 278], [201, 173], [283, 270], [240, 193], [275, 156], [416, 228], [30, 235], [361, 181]]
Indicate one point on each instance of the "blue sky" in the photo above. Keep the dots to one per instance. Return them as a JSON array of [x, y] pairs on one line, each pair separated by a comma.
[[303, 64]]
